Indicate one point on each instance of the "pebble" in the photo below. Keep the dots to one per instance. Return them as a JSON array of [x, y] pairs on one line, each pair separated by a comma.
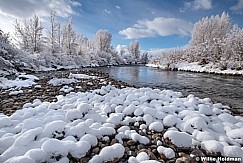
[[197, 152], [84, 159], [154, 146], [140, 147], [131, 153], [151, 155], [184, 159], [96, 150], [133, 148], [131, 142], [113, 141], [156, 135]]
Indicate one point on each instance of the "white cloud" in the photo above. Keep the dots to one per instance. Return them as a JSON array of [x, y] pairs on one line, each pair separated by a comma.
[[24, 9], [160, 26], [118, 7], [74, 3], [107, 11], [238, 7], [197, 5]]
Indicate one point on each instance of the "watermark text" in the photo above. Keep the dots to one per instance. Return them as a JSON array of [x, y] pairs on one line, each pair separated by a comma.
[[225, 159]]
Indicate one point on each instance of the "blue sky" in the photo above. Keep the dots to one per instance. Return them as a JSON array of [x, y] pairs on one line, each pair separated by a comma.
[[155, 23]]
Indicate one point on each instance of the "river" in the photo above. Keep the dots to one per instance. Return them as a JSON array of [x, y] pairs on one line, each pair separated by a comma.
[[227, 90]]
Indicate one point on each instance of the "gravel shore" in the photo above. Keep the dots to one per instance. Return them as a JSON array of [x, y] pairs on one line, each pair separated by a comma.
[[45, 92]]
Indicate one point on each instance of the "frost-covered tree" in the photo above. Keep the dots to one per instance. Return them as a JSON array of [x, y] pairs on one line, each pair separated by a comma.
[[233, 49], [63, 35], [62, 39], [208, 30], [214, 40], [4, 55], [22, 35], [59, 35], [208, 37], [36, 30], [54, 32], [82, 45], [102, 41], [144, 58], [69, 38], [4, 38], [135, 49], [4, 44], [29, 35], [122, 50], [9, 55]]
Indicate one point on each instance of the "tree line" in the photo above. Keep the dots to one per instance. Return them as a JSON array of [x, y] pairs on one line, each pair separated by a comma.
[[63, 38], [214, 40], [60, 40]]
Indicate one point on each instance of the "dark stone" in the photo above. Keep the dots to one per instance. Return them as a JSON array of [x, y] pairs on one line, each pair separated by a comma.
[[131, 142]]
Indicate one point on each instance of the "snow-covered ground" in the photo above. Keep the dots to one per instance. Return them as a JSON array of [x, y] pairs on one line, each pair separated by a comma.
[[21, 81], [195, 67], [24, 80], [50, 131]]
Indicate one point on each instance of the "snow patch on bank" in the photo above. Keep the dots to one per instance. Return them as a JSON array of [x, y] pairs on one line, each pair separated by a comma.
[[19, 82], [195, 67]]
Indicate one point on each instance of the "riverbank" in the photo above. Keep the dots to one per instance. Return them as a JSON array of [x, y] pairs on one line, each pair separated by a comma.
[[94, 115], [195, 67], [15, 97]]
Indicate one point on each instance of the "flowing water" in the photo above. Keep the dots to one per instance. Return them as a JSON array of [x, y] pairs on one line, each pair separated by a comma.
[[227, 90]]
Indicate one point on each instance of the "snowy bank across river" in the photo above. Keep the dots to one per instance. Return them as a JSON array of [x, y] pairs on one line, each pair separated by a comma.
[[72, 126], [195, 67]]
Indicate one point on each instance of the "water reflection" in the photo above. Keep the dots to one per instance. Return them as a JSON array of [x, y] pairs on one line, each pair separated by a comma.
[[227, 90]]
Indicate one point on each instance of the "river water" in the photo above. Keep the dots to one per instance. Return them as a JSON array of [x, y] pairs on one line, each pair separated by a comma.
[[227, 90]]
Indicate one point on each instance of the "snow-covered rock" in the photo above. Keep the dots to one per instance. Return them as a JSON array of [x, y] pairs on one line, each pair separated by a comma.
[[180, 139], [202, 136], [109, 153], [235, 133], [136, 137], [226, 117], [30, 77], [233, 151], [142, 156], [167, 152], [213, 146], [81, 76], [61, 81], [66, 89], [170, 120], [205, 109], [156, 126]]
